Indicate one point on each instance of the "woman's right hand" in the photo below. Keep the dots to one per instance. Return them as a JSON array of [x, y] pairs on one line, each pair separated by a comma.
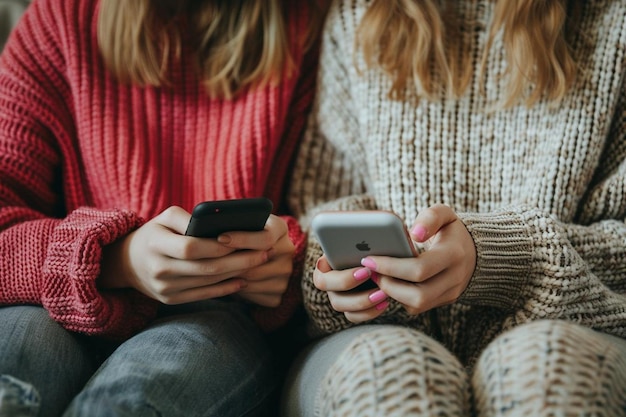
[[158, 260], [344, 296]]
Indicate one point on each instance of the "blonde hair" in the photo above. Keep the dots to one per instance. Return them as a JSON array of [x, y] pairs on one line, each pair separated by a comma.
[[237, 43], [418, 44]]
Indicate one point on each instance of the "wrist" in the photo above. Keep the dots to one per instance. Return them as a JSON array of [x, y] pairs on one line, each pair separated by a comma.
[[114, 270]]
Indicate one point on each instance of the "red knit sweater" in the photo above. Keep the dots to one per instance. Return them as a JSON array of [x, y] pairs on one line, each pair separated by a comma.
[[85, 160]]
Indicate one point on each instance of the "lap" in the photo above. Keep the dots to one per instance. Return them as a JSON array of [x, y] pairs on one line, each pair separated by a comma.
[[37, 351], [197, 360], [555, 366], [512, 371], [361, 369], [201, 359]]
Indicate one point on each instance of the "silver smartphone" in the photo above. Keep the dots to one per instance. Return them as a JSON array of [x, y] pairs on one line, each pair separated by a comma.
[[346, 237]]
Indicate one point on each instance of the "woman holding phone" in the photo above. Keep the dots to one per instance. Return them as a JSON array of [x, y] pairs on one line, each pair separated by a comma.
[[496, 131], [117, 118]]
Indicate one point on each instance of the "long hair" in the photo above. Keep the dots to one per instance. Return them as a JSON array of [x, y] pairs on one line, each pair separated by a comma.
[[419, 44], [237, 43]]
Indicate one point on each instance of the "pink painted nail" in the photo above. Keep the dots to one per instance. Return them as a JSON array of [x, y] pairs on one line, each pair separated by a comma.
[[368, 263], [419, 232], [377, 297], [375, 277], [361, 274], [382, 306]]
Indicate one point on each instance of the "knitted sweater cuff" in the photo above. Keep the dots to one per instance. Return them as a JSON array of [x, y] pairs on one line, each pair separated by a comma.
[[72, 267], [503, 259]]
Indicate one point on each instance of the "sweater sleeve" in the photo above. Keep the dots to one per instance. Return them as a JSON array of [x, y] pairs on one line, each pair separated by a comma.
[[50, 256], [541, 267]]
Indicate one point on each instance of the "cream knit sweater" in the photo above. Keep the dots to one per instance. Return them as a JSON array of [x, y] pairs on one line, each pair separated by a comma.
[[542, 190]]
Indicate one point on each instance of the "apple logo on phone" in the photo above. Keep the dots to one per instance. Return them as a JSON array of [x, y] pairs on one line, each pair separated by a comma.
[[363, 246]]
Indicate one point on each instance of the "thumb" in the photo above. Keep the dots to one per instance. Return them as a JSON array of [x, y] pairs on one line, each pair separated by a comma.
[[428, 222]]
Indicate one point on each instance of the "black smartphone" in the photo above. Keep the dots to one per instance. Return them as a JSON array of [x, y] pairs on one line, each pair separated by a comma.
[[212, 218]]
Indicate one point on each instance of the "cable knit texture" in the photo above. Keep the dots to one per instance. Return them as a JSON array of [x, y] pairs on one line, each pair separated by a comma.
[[541, 189], [85, 160], [570, 372], [394, 371]]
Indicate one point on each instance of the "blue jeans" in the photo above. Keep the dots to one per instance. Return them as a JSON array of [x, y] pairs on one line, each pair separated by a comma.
[[202, 359]]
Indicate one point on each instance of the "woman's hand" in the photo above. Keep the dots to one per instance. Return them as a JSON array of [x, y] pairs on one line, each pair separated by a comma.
[[436, 277], [344, 296], [160, 261], [267, 282], [440, 274]]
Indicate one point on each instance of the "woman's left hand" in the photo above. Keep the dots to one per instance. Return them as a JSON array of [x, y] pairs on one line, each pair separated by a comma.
[[440, 274], [266, 283]]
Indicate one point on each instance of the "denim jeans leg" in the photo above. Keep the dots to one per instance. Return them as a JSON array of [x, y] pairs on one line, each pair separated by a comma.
[[42, 358], [213, 362]]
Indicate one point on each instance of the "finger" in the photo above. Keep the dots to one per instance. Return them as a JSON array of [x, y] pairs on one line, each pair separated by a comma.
[[221, 289], [354, 301], [194, 248], [341, 280], [417, 269], [430, 220], [175, 246], [275, 285], [366, 315], [176, 284], [323, 265], [282, 266], [174, 218], [169, 228], [275, 229], [236, 263], [420, 297]]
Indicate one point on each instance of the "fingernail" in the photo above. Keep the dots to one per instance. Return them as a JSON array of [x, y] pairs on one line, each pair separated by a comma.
[[317, 264], [368, 263], [377, 297], [375, 277], [382, 306], [419, 232], [361, 274], [224, 239]]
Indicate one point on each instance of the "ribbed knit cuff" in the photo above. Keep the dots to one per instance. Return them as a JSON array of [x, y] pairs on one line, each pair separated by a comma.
[[70, 292], [503, 259]]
